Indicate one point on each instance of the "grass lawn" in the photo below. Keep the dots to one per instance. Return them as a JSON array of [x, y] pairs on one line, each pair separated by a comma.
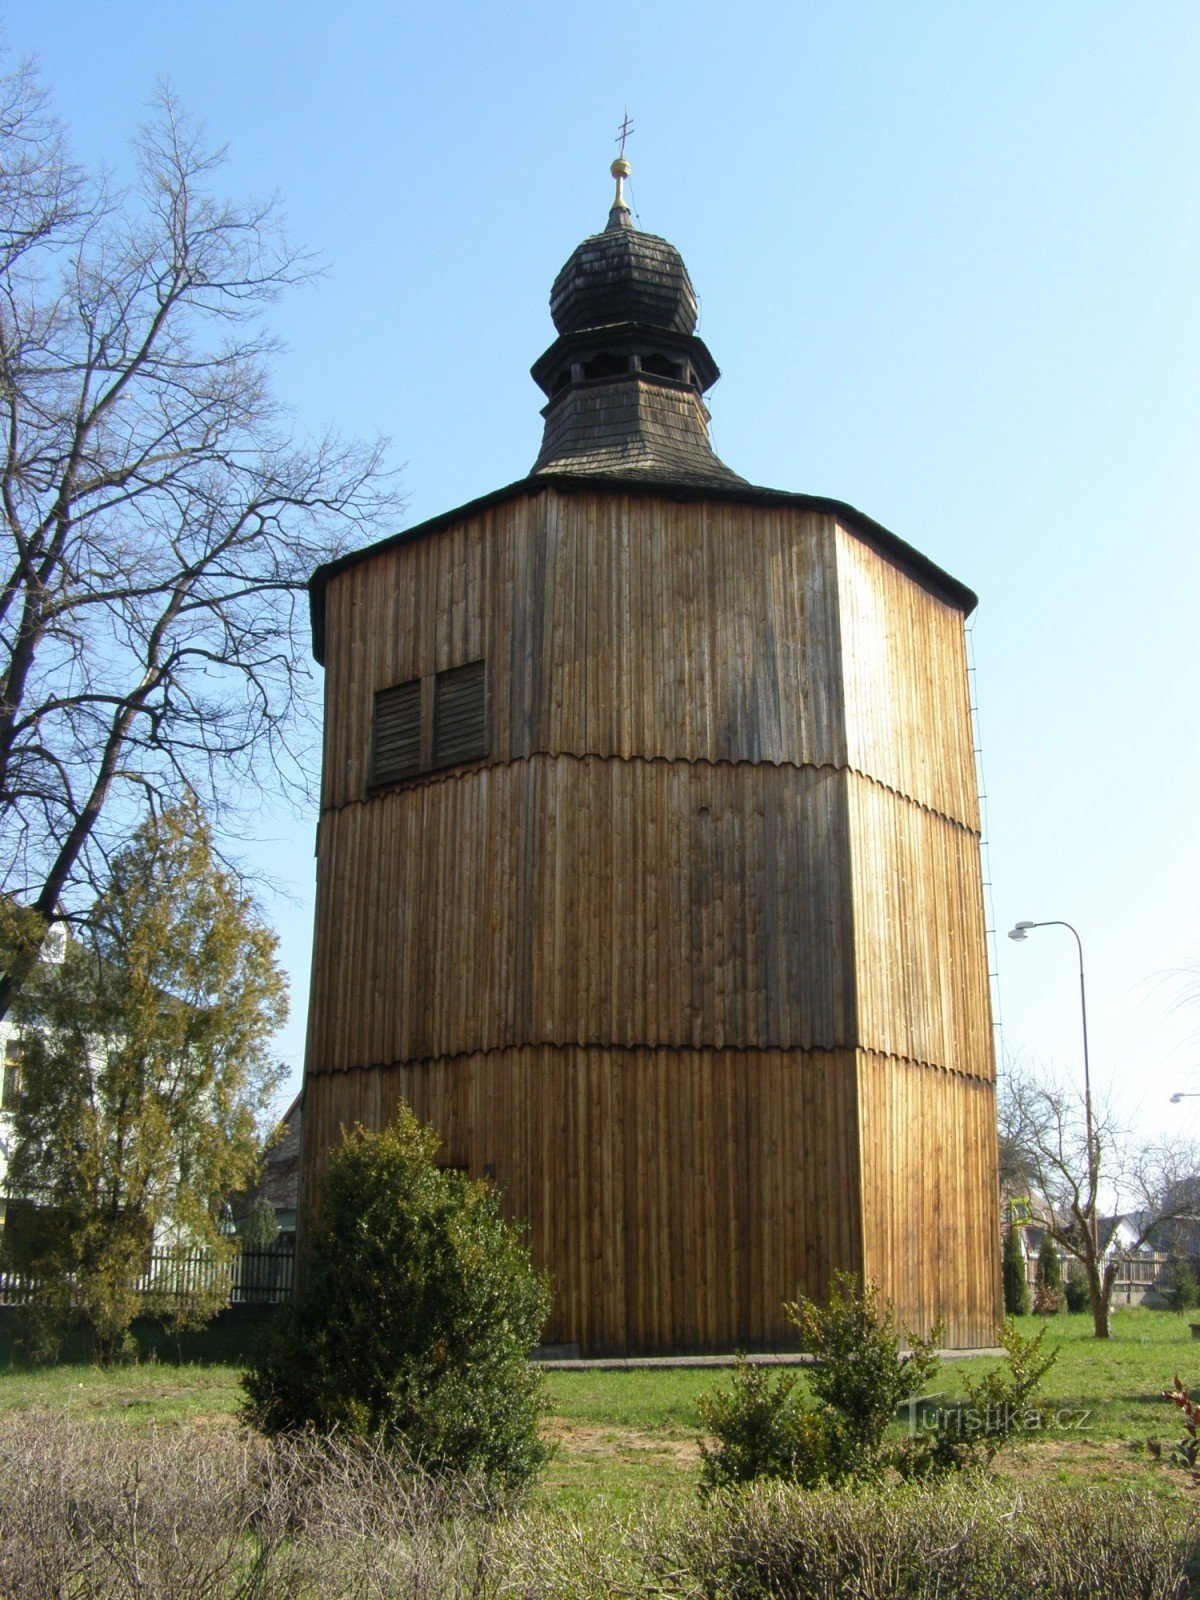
[[628, 1437]]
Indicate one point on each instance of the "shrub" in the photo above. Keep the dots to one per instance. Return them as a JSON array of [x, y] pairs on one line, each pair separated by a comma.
[[959, 1541], [1076, 1289], [417, 1310], [185, 1515], [1178, 1286], [1047, 1302], [1016, 1281], [1049, 1299], [763, 1428], [1000, 1408], [861, 1376]]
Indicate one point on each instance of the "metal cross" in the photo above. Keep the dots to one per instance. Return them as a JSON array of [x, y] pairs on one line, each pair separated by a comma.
[[625, 130]]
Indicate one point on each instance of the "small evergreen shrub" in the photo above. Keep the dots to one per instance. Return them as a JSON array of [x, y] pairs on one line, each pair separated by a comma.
[[1048, 1301], [1178, 1287], [417, 1311], [762, 1427], [861, 1378], [1075, 1289], [1050, 1264], [762, 1430], [999, 1409], [1016, 1281]]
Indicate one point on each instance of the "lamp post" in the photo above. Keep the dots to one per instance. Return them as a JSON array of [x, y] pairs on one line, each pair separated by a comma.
[[1020, 933], [1184, 1094]]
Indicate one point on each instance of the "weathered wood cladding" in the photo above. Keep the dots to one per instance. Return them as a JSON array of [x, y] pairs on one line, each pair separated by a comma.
[[904, 684], [678, 1197], [920, 952], [611, 625], [707, 913], [930, 1190], [567, 901]]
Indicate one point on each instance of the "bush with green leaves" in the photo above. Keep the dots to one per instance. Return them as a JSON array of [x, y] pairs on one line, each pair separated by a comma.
[[763, 1428], [1178, 1285], [1075, 1289], [1050, 1274], [999, 1409], [861, 1377], [417, 1309], [1016, 1280]]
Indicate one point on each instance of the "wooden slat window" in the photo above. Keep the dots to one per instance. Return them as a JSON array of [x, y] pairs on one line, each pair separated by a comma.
[[397, 748], [436, 721], [459, 725]]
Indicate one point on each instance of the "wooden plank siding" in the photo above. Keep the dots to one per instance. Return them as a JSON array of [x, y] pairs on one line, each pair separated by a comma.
[[679, 1197], [930, 1187], [692, 959], [564, 901], [682, 632]]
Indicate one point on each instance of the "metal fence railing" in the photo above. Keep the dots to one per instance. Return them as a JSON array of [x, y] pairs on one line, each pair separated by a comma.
[[252, 1277]]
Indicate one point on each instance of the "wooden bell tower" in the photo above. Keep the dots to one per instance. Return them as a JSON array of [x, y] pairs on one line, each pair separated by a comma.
[[648, 862]]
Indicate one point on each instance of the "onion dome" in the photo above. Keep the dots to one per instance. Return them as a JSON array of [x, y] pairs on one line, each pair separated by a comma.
[[622, 275], [626, 376]]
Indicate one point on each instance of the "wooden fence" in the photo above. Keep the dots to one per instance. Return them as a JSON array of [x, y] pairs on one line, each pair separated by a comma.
[[1138, 1282], [253, 1277]]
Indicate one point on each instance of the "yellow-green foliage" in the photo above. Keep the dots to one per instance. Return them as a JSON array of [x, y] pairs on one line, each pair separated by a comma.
[[146, 1074]]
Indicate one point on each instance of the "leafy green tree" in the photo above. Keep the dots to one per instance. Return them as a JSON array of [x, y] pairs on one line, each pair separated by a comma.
[[1016, 1281], [417, 1310], [146, 1072]]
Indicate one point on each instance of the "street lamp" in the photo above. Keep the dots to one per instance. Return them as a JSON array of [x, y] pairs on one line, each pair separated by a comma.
[[1184, 1094], [1020, 932]]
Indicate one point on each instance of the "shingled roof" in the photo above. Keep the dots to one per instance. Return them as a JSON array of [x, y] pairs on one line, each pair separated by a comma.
[[626, 375]]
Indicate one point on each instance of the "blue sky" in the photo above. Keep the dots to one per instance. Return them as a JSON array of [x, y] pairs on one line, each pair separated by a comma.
[[948, 258]]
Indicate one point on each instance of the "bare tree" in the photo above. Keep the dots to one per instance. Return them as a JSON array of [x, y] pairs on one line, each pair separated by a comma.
[[157, 523], [1044, 1127]]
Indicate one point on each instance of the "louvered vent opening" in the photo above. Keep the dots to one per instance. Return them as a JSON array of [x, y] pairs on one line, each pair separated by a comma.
[[458, 715], [397, 752]]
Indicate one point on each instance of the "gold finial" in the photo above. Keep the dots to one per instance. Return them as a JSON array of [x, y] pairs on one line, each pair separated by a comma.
[[620, 168]]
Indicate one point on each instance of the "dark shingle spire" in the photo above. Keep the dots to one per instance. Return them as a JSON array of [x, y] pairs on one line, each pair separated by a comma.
[[626, 375]]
